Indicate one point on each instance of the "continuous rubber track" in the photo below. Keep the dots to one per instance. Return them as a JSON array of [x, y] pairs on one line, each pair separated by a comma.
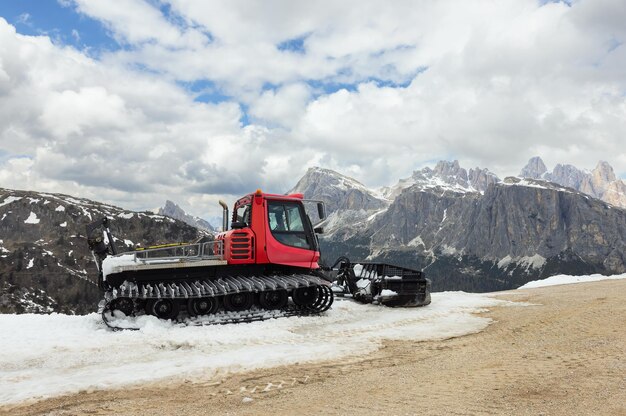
[[230, 299]]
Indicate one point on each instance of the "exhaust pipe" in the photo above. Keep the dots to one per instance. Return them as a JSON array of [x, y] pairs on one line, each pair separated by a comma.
[[224, 216]]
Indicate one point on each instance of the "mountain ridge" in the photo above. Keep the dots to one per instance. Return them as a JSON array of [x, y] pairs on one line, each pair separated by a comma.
[[513, 231]]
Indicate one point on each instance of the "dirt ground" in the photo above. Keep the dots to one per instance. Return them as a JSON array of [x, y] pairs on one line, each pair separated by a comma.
[[565, 355]]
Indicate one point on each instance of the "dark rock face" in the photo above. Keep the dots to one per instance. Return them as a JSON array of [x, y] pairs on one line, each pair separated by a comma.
[[338, 192], [516, 232], [45, 264], [471, 231], [174, 211]]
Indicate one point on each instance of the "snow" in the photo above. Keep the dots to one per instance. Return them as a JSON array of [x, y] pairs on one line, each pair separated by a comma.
[[563, 279], [63, 224], [416, 242], [60, 208], [537, 261], [393, 277], [127, 215], [363, 283], [504, 262], [376, 214], [49, 355], [9, 200], [33, 200], [31, 263], [387, 292], [32, 219], [112, 264]]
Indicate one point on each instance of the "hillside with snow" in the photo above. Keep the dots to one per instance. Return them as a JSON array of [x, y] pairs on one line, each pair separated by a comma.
[[45, 265]]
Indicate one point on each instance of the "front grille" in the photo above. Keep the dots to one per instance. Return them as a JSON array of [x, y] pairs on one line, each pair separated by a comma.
[[242, 246]]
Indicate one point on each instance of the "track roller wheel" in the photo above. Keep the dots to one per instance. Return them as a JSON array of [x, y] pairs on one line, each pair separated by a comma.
[[237, 302], [124, 305], [324, 300], [273, 299], [165, 309], [202, 306], [305, 296]]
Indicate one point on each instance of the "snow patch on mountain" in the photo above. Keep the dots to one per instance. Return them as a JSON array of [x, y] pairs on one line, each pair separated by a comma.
[[32, 219], [416, 242], [533, 262], [9, 200]]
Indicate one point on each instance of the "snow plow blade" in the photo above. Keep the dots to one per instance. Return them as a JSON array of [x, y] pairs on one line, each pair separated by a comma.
[[382, 283]]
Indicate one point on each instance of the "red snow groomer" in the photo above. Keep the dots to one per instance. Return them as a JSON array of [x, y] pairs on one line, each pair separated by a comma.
[[264, 266]]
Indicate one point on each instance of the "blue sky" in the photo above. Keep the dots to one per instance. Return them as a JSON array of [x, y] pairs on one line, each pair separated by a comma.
[[61, 23]]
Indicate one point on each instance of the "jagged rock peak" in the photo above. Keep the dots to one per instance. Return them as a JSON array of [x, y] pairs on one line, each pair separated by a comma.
[[316, 176], [172, 210], [603, 173], [480, 179], [534, 169], [568, 175], [337, 191], [600, 183], [447, 175], [450, 171]]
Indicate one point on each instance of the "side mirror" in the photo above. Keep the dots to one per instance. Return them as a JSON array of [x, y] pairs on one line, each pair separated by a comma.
[[238, 224], [318, 230], [321, 210]]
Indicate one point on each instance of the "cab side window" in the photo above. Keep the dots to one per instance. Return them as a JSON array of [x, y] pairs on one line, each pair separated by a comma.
[[287, 224], [243, 214]]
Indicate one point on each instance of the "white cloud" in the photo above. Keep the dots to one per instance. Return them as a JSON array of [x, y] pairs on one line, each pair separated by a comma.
[[490, 84]]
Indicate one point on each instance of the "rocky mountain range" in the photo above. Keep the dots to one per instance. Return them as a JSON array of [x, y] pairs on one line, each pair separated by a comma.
[[45, 265], [473, 231], [600, 183], [446, 174], [467, 229]]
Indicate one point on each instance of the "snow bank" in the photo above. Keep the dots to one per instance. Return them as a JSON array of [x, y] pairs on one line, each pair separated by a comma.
[[48, 355], [563, 279]]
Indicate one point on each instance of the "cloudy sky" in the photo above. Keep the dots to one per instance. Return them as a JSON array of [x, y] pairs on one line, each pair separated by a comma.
[[134, 101]]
